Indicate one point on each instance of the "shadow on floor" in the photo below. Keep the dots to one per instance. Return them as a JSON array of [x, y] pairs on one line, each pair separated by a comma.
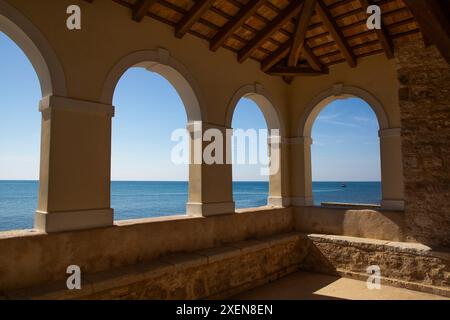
[[315, 286], [298, 286]]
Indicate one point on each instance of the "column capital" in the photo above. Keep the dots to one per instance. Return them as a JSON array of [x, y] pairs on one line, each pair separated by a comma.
[[194, 126], [298, 140], [275, 140], [390, 133], [74, 105]]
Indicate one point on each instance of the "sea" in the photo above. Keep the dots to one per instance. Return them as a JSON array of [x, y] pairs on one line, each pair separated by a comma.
[[132, 199]]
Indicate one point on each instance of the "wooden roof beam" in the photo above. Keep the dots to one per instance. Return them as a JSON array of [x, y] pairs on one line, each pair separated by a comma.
[[300, 34], [433, 23], [141, 8], [194, 14], [282, 51], [382, 34], [233, 24], [335, 32], [285, 71], [273, 26]]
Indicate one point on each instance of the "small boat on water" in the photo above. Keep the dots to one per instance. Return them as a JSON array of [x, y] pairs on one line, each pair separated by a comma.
[[343, 185]]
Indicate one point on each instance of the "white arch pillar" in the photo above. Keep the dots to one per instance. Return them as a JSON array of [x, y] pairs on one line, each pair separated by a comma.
[[74, 187], [391, 169], [205, 197], [279, 172], [301, 172]]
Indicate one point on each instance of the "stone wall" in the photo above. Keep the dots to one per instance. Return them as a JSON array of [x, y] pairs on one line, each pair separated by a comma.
[[409, 265], [219, 272], [424, 94]]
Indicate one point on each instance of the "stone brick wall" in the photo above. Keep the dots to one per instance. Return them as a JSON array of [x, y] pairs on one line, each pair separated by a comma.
[[424, 78], [219, 272], [409, 265]]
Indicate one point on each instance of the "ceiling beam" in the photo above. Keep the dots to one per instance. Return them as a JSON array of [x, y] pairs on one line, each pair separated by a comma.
[[233, 24], [273, 26], [194, 14], [335, 32], [280, 70], [300, 33], [433, 23], [140, 9], [276, 56], [283, 50], [382, 33], [313, 61]]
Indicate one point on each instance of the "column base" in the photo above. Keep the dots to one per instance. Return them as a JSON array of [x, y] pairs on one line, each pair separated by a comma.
[[210, 209], [302, 202], [397, 205], [73, 220], [279, 202]]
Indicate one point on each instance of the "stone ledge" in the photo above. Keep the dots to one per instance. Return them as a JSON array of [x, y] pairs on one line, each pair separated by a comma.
[[114, 280], [408, 265], [400, 247], [440, 291]]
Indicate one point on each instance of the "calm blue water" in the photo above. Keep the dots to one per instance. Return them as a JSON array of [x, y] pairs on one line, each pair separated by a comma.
[[131, 200]]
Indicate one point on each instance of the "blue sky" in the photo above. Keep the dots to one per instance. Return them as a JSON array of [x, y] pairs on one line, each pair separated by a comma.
[[148, 109]]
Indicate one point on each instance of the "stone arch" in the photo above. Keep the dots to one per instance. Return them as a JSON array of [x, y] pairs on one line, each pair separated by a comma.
[[390, 147], [260, 96], [339, 91], [277, 179], [41, 55], [161, 62]]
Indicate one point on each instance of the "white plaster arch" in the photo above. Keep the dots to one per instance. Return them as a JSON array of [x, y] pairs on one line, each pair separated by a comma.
[[161, 62], [339, 91], [36, 47], [261, 97]]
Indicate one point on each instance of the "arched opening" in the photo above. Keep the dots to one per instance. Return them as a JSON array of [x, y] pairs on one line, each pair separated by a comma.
[[390, 147], [153, 101], [250, 156], [345, 154], [256, 148], [20, 124]]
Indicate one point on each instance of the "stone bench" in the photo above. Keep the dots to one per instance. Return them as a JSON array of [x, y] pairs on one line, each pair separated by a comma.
[[408, 265], [212, 273]]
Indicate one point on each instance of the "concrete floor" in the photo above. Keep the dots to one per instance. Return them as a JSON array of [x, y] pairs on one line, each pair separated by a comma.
[[312, 286]]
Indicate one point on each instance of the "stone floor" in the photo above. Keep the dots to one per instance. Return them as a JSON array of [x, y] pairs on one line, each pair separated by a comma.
[[312, 286]]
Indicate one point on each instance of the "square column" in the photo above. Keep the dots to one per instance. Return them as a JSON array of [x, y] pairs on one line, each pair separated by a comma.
[[279, 177], [301, 173], [391, 169], [74, 186], [210, 184]]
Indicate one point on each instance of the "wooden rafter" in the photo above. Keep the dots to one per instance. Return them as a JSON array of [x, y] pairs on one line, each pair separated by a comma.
[[140, 9], [197, 10], [300, 33], [276, 56], [290, 11], [326, 44], [335, 32], [280, 70], [432, 17], [382, 34], [282, 51], [237, 21]]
